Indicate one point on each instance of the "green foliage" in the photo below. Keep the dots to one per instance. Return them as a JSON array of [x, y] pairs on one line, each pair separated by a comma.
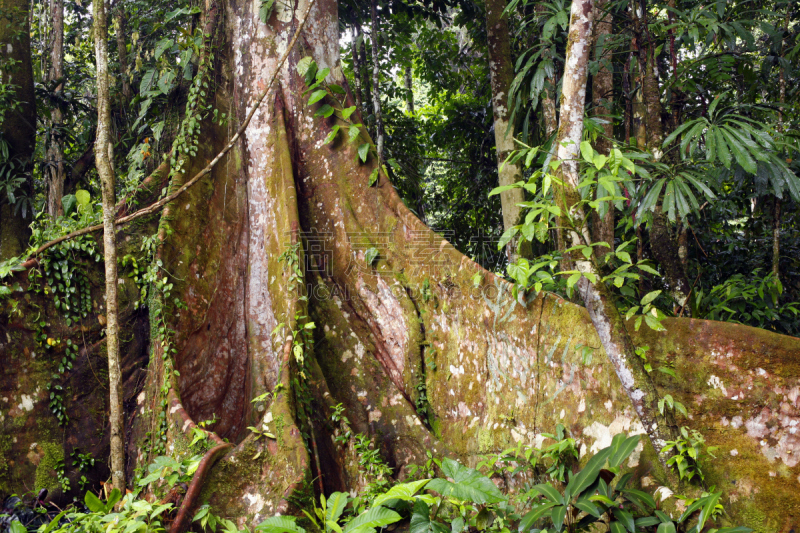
[[688, 449]]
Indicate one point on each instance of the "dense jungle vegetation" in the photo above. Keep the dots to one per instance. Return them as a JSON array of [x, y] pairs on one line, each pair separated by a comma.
[[640, 157]]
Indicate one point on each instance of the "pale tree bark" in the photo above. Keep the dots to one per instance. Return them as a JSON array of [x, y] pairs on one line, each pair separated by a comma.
[[55, 151], [18, 127], [358, 94], [376, 79], [122, 51], [107, 180], [501, 68], [603, 99], [599, 300]]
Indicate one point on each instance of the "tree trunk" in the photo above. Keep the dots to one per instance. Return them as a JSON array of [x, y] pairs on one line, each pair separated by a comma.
[[122, 52], [365, 77], [409, 81], [603, 100], [357, 66], [107, 180], [501, 68], [17, 127], [376, 79], [599, 300], [55, 151]]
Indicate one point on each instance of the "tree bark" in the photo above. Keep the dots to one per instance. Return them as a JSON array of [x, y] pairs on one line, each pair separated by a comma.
[[18, 126], [357, 66], [376, 79], [122, 51], [107, 180], [55, 151], [603, 100], [501, 68], [599, 300]]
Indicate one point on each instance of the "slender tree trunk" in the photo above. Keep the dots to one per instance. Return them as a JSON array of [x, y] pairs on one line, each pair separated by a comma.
[[501, 68], [409, 91], [376, 76], [627, 88], [357, 67], [602, 98], [364, 82], [608, 322], [122, 51], [17, 127], [107, 180], [776, 206], [55, 150]]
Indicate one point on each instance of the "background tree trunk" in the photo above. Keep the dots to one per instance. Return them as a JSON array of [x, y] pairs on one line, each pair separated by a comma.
[[55, 151], [18, 127], [501, 68], [122, 51], [376, 79], [103, 156], [603, 100]]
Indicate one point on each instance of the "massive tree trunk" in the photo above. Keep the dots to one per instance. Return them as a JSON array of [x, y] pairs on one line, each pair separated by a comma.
[[276, 237], [501, 68], [17, 126]]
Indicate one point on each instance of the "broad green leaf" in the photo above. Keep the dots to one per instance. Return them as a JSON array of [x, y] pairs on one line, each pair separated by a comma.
[[650, 296], [346, 112], [588, 507], [587, 152], [371, 255], [666, 527], [336, 504], [148, 80], [303, 65], [549, 492], [162, 46], [533, 516], [646, 500], [326, 110], [588, 473], [363, 152], [332, 135], [373, 177], [616, 527], [421, 520], [573, 279], [403, 491], [352, 133], [280, 524], [467, 485], [93, 503], [623, 450], [557, 515], [317, 95], [625, 518], [504, 188], [373, 518]]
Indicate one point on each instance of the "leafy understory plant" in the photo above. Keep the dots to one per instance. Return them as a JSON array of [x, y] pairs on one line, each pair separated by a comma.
[[595, 498]]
